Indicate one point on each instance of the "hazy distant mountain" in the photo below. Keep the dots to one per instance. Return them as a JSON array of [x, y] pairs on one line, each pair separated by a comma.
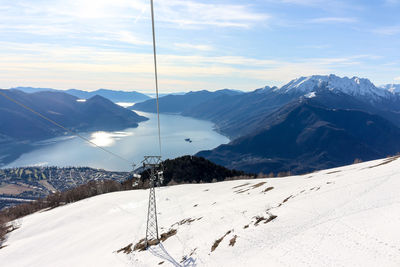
[[33, 89], [393, 88], [153, 95], [18, 126], [182, 103], [304, 136], [113, 95]]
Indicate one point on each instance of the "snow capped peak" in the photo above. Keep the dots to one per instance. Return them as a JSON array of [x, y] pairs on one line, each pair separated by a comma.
[[392, 88], [353, 86]]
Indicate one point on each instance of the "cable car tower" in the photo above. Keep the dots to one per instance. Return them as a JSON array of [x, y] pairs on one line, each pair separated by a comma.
[[154, 167], [153, 164]]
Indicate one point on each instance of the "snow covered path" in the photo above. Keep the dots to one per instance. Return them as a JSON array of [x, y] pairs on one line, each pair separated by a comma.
[[347, 216]]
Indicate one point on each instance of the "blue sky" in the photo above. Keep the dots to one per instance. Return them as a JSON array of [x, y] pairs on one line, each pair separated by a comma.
[[90, 44]]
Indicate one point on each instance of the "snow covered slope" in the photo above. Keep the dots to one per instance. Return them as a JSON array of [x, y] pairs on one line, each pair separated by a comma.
[[348, 216]]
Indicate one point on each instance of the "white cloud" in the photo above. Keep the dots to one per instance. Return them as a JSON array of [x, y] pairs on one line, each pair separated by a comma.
[[316, 46], [95, 14], [200, 47], [302, 2], [392, 2], [196, 14], [397, 78], [128, 37], [333, 20], [118, 23], [317, 3], [91, 68], [331, 5], [390, 30], [73, 21]]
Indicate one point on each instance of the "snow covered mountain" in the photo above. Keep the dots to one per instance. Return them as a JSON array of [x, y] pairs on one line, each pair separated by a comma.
[[347, 216], [352, 86], [393, 88]]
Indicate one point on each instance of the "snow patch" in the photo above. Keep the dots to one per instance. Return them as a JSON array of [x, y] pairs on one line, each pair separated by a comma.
[[310, 95]]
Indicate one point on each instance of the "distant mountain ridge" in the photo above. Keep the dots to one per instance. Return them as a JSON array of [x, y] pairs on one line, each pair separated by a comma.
[[238, 114], [296, 127], [113, 95], [304, 136]]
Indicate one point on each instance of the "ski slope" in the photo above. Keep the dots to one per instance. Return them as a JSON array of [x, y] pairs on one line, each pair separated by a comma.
[[347, 216]]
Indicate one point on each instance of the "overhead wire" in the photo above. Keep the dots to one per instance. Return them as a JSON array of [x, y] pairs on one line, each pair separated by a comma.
[[64, 128], [155, 72]]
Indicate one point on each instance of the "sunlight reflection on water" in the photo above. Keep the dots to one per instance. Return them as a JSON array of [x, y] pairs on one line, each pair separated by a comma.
[[105, 139]]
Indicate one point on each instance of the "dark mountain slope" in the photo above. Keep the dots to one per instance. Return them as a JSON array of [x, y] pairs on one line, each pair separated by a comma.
[[304, 136], [101, 113], [97, 113], [18, 123], [239, 115], [387, 107]]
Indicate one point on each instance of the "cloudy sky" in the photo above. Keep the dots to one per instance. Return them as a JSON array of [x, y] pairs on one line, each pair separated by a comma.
[[208, 44]]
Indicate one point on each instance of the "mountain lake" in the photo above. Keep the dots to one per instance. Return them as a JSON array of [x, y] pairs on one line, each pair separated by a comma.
[[131, 144]]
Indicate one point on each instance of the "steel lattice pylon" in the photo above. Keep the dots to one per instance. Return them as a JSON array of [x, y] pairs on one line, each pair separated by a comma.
[[153, 165]]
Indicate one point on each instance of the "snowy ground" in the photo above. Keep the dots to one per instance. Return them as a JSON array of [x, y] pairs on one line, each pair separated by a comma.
[[348, 216]]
